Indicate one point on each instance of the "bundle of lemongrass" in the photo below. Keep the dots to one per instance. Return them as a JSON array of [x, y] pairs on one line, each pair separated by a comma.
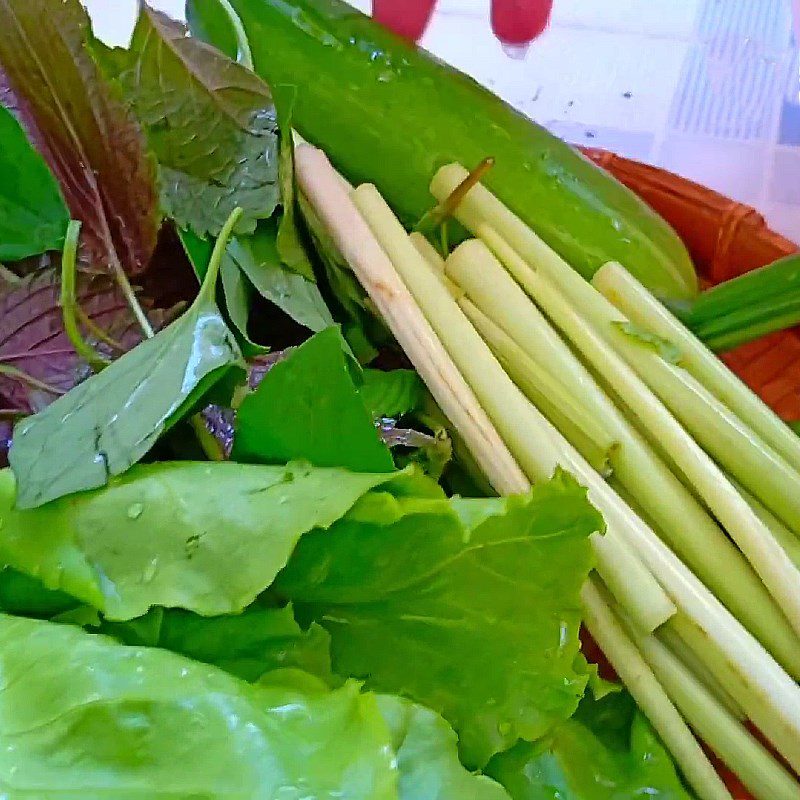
[[696, 596]]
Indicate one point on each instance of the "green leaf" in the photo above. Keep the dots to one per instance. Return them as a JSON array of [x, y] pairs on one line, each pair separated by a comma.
[[308, 407], [290, 246], [91, 143], [33, 214], [427, 756], [247, 645], [258, 258], [206, 537], [116, 416], [237, 290], [86, 717], [26, 596], [210, 122], [663, 347], [608, 751], [392, 394], [470, 607]]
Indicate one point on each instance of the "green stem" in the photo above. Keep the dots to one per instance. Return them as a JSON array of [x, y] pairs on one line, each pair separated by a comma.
[[97, 331], [208, 288], [211, 447], [244, 55], [69, 301], [626, 658], [23, 377]]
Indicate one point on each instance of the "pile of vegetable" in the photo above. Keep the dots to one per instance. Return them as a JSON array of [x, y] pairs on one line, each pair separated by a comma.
[[311, 488]]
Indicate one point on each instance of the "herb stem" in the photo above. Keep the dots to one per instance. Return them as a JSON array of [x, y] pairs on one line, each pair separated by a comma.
[[18, 375], [69, 301], [97, 331]]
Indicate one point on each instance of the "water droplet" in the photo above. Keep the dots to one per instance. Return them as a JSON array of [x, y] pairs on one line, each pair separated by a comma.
[[516, 51], [135, 511], [150, 571]]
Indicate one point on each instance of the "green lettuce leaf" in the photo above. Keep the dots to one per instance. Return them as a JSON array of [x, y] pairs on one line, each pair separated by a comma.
[[608, 751], [307, 407], [91, 143], [33, 215], [210, 122], [206, 537], [83, 716], [110, 421], [427, 756], [248, 645], [470, 607]]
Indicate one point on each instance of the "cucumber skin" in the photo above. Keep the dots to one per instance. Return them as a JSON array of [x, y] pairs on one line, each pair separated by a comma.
[[388, 113]]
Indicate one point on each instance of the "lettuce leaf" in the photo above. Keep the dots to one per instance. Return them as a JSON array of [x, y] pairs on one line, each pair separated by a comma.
[[470, 607], [206, 537], [608, 751], [392, 393], [83, 716], [307, 407]]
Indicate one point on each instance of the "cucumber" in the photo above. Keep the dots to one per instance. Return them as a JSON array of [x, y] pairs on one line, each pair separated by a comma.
[[388, 113]]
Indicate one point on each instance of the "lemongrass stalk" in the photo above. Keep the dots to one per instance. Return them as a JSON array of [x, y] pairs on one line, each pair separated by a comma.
[[536, 445], [650, 696], [764, 777], [665, 500], [330, 197], [762, 470], [785, 538], [767, 558], [751, 698], [636, 303], [575, 421], [700, 671], [427, 251]]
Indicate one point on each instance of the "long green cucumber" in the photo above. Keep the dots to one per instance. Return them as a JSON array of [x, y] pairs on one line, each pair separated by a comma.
[[388, 113]]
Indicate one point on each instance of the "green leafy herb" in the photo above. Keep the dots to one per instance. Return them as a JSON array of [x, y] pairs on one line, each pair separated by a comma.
[[470, 607], [85, 134], [132, 722], [259, 259], [210, 122], [608, 751], [206, 537], [116, 416], [33, 215], [392, 394], [308, 407]]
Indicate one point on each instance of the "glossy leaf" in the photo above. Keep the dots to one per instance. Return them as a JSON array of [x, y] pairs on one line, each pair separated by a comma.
[[608, 751], [258, 258], [427, 756], [33, 216], [469, 607], [210, 122], [307, 407], [116, 416], [247, 645], [206, 537], [33, 341], [94, 719], [392, 393], [84, 132]]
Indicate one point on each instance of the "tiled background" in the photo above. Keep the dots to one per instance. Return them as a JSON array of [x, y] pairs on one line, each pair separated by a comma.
[[707, 88]]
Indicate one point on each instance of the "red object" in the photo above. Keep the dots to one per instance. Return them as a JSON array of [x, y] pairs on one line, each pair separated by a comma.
[[514, 22], [519, 22], [408, 18]]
